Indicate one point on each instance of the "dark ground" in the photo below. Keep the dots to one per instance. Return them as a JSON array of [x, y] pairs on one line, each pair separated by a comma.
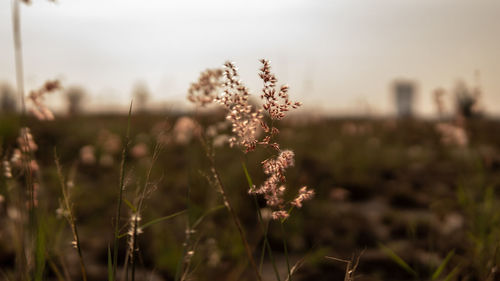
[[388, 187]]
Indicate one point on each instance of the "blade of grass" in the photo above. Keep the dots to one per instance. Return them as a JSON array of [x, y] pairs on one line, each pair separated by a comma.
[[54, 268], [451, 274], [443, 264], [40, 252], [397, 259], [130, 205], [247, 175], [110, 265], [155, 221], [296, 267], [204, 215]]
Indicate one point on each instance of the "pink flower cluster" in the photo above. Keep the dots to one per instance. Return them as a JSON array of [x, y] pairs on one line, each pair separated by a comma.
[[204, 91], [27, 147], [304, 195], [22, 159], [276, 105], [245, 118], [273, 187]]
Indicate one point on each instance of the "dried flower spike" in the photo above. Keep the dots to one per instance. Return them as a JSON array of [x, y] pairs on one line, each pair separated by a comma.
[[245, 118], [204, 91], [276, 101]]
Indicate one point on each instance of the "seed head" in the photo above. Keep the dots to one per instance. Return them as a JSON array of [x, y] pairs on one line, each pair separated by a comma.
[[245, 118], [204, 91]]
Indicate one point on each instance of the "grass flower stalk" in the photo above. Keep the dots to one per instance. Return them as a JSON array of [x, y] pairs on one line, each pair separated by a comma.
[[22, 261], [236, 220], [285, 248], [70, 217], [136, 217], [121, 187], [246, 121], [264, 229]]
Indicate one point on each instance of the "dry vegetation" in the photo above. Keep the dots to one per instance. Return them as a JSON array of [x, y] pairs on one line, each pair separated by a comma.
[[240, 189]]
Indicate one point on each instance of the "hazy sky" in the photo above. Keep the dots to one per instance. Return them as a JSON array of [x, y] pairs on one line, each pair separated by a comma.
[[338, 56]]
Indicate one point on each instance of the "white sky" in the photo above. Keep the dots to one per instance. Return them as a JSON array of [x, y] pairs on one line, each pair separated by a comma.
[[335, 55]]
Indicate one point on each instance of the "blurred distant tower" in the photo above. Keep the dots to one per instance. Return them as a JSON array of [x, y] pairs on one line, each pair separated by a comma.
[[439, 102], [75, 96], [141, 95], [404, 95]]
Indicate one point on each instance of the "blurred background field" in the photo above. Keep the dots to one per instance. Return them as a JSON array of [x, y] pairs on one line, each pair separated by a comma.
[[397, 136], [380, 184]]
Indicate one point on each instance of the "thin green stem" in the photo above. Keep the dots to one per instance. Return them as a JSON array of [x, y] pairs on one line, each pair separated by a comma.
[[266, 241], [180, 266], [235, 218], [120, 195], [285, 248], [70, 217], [135, 233], [266, 244], [134, 245], [229, 207]]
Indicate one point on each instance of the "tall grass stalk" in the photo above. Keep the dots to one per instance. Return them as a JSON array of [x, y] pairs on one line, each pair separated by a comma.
[[40, 251], [285, 248], [145, 190], [121, 186], [220, 187], [31, 260], [234, 217], [17, 230], [264, 229], [181, 268], [55, 269], [134, 246], [21, 258], [70, 216], [16, 28]]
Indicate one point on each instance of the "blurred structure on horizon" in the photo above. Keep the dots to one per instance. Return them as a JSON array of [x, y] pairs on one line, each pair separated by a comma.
[[140, 96], [404, 96], [439, 94], [75, 96], [349, 50]]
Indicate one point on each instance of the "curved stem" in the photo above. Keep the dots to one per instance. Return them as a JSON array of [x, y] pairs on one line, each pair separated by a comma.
[[235, 218], [285, 248]]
